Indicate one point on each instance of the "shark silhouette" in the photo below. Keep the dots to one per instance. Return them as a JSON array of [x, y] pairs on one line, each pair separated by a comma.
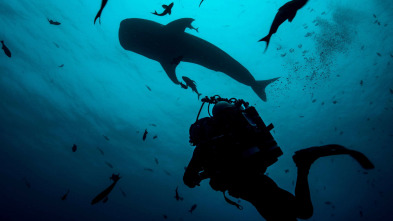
[[165, 43]]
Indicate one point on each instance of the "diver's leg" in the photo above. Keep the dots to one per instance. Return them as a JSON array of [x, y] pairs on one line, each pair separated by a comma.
[[304, 208], [272, 202]]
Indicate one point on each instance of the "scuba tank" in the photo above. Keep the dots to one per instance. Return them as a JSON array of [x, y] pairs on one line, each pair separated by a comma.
[[236, 122]]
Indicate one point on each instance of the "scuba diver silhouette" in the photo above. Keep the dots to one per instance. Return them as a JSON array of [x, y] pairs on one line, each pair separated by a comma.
[[234, 148]]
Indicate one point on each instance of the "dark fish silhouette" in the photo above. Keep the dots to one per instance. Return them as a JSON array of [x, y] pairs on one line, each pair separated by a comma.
[[177, 196], [74, 147], [190, 83], [62, 65], [144, 135], [148, 88], [155, 137], [154, 125], [65, 195], [101, 151], [156, 160], [163, 43], [104, 194], [167, 10], [122, 192], [287, 11], [200, 3], [148, 169], [108, 164], [54, 22], [6, 50], [192, 208], [98, 16], [106, 138]]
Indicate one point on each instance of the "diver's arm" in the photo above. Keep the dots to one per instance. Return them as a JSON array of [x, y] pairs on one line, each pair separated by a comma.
[[192, 174]]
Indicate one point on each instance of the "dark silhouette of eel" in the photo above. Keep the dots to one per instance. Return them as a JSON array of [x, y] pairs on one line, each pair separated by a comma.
[[287, 11], [53, 22], [98, 16], [190, 83], [104, 194], [6, 50], [168, 10]]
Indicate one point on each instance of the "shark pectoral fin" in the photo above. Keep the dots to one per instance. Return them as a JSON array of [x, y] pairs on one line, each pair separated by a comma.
[[170, 71], [165, 6], [180, 25]]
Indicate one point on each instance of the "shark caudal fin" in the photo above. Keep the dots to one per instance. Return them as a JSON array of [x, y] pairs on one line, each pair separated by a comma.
[[267, 40], [259, 87]]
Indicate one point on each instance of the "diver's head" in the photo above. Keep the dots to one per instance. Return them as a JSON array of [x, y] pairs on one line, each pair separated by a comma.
[[222, 108]]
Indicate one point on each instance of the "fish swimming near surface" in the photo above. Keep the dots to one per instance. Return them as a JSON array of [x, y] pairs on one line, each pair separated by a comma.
[[65, 195], [6, 50], [62, 65], [287, 11], [54, 22], [164, 43], [190, 83], [144, 135], [104, 194], [192, 208], [167, 10], [98, 16]]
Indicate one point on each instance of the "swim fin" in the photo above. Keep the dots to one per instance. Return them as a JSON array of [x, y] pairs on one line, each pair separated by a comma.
[[305, 157]]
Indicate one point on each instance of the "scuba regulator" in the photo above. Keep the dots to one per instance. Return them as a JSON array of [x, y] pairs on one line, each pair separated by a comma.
[[235, 122]]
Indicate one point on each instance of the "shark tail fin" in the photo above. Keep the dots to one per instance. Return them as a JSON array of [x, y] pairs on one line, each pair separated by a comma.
[[267, 40], [259, 87], [155, 13]]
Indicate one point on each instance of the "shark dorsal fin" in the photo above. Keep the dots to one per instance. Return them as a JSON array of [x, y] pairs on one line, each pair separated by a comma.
[[180, 25]]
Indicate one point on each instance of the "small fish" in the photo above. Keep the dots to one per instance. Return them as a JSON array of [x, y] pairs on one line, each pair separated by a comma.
[[98, 16], [74, 148], [6, 50], [106, 138], [148, 88], [108, 164], [105, 193], [177, 196], [200, 3], [328, 203], [62, 65], [57, 46], [167, 173], [65, 195], [167, 10], [190, 83], [53, 22], [361, 82], [374, 16], [391, 55], [144, 135], [101, 151], [156, 160], [105, 200], [165, 216], [286, 171], [300, 46], [291, 50], [155, 137], [153, 125], [192, 208], [286, 12], [122, 192], [391, 91], [27, 183], [334, 102], [148, 169], [379, 54]]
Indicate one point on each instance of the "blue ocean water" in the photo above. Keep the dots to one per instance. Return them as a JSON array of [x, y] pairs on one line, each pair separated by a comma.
[[73, 83]]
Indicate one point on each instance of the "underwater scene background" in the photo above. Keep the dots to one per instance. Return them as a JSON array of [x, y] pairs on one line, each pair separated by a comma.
[[74, 84]]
